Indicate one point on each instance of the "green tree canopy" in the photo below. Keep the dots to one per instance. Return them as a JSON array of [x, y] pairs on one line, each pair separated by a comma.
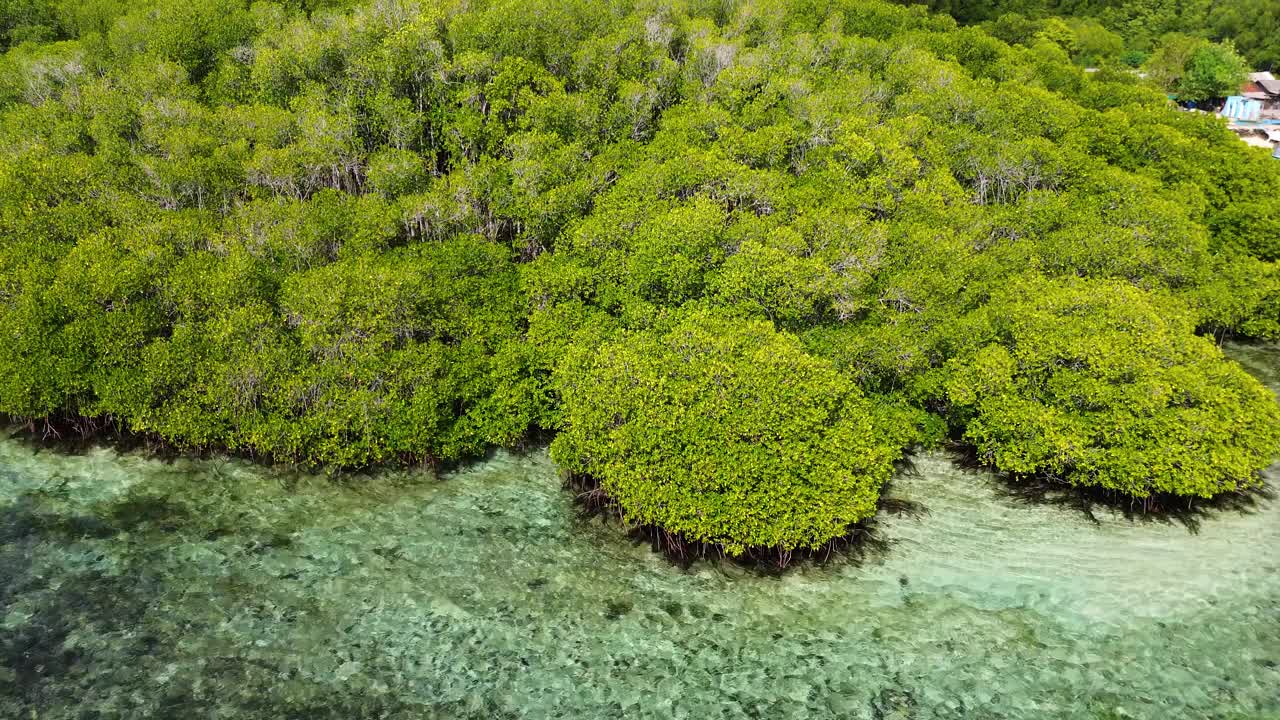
[[1214, 70], [1098, 384], [726, 432], [1253, 26]]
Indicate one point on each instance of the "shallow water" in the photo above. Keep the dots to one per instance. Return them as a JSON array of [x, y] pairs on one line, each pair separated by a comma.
[[137, 588]]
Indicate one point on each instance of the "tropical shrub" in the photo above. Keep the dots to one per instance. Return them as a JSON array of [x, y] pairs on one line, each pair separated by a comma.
[[1100, 385], [725, 431]]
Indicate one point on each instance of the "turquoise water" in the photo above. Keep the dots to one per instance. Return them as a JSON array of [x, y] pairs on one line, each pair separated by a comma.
[[138, 588]]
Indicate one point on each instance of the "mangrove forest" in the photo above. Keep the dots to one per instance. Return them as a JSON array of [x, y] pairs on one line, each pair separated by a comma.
[[661, 359], [736, 261]]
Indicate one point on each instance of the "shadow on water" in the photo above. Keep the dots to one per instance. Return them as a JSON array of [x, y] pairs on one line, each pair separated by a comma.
[[1160, 508], [137, 511], [68, 437], [79, 436], [46, 665], [23, 519], [36, 652]]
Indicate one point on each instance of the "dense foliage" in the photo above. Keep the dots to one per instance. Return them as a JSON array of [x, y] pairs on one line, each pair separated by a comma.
[[727, 432], [1095, 30], [1195, 70], [401, 230], [1097, 381]]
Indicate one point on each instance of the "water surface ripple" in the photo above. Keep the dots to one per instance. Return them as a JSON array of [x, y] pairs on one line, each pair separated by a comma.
[[136, 588]]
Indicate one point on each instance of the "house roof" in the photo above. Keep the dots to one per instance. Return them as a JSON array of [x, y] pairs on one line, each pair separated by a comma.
[[1255, 77], [1261, 88]]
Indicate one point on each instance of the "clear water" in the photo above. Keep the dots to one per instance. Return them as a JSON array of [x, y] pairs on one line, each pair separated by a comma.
[[137, 588]]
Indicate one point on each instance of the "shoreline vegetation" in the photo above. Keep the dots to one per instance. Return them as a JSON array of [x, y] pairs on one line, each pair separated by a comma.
[[859, 540], [732, 260]]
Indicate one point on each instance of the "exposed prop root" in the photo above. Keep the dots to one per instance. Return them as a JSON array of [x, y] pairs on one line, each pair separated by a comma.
[[859, 541]]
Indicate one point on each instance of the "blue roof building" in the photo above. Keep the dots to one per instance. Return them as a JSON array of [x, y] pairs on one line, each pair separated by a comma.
[[1242, 108]]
